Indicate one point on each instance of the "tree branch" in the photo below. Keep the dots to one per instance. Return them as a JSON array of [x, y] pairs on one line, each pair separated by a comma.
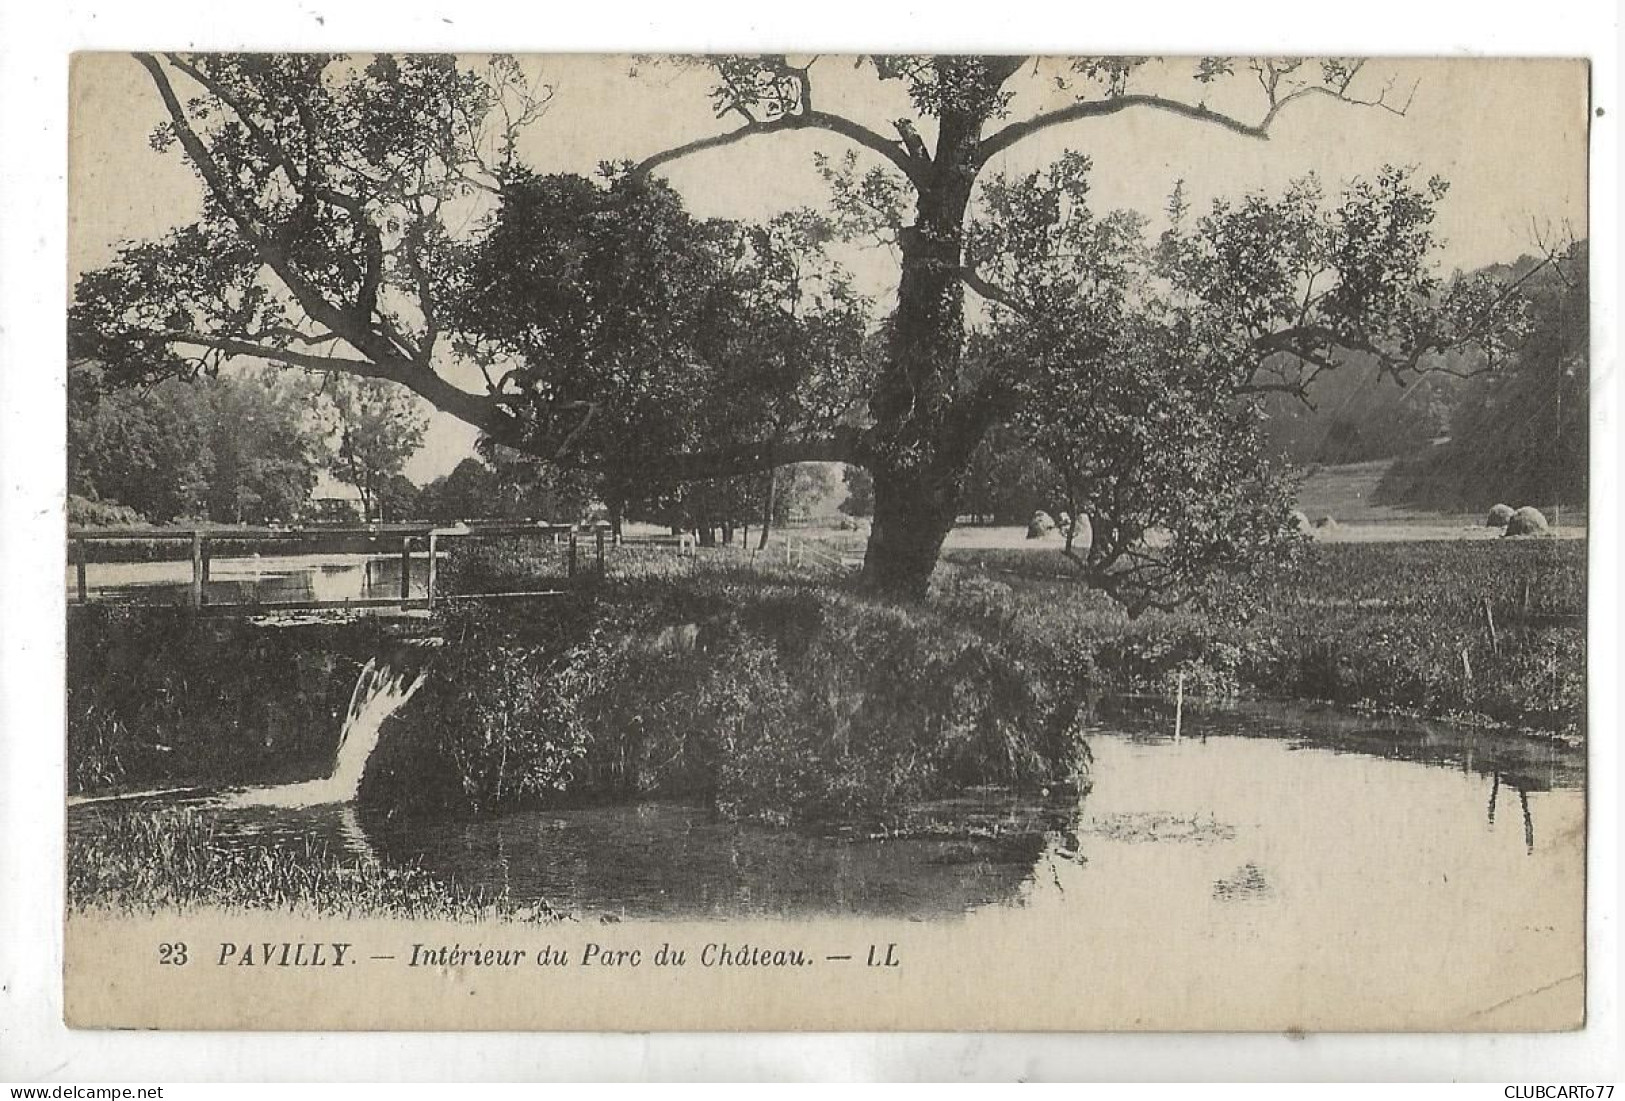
[[997, 143], [990, 291], [801, 120]]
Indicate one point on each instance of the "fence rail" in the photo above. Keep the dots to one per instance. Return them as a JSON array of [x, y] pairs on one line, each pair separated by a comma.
[[423, 539]]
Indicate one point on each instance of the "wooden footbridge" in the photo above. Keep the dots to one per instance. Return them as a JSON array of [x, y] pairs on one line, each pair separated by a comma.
[[421, 544]]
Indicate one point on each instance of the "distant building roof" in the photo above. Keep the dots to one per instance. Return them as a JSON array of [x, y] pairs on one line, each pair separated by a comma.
[[329, 488]]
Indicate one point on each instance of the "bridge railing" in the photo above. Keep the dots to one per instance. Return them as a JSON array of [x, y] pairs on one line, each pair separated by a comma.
[[197, 544]]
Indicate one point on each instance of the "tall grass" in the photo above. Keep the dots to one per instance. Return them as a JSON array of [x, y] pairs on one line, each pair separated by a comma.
[[150, 861], [1385, 625]]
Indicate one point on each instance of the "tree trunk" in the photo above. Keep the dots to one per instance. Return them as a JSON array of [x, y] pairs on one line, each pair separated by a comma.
[[925, 431], [912, 517], [767, 509]]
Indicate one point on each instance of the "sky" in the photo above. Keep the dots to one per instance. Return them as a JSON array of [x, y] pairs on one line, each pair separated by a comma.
[[1509, 135]]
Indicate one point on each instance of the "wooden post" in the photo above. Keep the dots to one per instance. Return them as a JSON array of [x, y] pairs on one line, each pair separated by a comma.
[[197, 568], [83, 553], [1489, 617], [599, 536], [1179, 706], [570, 570], [431, 570], [406, 568]]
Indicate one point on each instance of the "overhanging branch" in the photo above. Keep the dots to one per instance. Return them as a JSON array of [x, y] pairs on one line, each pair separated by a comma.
[[997, 143], [893, 151], [991, 291], [849, 445]]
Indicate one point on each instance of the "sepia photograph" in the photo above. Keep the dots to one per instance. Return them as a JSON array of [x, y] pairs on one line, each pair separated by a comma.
[[813, 541]]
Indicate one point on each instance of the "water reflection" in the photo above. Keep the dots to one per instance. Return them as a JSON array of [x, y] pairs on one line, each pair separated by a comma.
[[1524, 764], [271, 579], [664, 860]]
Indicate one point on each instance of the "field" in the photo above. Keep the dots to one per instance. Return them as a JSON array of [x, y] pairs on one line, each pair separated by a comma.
[[1491, 632], [1348, 495]]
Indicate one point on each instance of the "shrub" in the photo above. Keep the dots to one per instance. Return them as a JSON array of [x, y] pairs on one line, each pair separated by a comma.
[[90, 513], [976, 598], [1040, 525], [778, 702], [1498, 517], [800, 704], [499, 722]]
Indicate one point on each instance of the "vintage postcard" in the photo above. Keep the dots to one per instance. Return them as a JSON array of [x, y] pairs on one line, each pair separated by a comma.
[[826, 542]]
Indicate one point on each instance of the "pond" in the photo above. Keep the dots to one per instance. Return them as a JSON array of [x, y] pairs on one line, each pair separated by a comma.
[[1280, 811], [1272, 867]]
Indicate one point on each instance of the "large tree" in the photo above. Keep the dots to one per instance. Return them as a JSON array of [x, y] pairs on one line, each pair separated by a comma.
[[331, 185]]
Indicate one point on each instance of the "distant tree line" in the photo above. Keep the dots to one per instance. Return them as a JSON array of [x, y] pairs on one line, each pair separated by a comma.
[[1467, 434], [1518, 434], [240, 448]]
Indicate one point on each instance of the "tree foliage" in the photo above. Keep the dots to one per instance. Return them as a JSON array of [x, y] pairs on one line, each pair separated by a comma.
[[230, 450], [1521, 433], [378, 428], [1142, 366], [620, 335], [634, 332], [860, 491]]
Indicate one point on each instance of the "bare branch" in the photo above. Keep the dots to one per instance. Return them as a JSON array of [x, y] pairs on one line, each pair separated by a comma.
[[993, 293], [1269, 75], [897, 152]]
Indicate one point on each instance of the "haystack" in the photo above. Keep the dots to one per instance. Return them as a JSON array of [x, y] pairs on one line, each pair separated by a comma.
[[1040, 525], [1528, 520]]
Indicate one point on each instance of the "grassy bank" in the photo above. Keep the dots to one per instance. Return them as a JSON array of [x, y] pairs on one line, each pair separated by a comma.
[[166, 860], [1398, 626], [769, 699]]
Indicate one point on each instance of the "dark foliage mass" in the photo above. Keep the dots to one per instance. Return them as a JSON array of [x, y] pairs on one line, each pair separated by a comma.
[[780, 703], [784, 703], [1521, 433], [159, 698]]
